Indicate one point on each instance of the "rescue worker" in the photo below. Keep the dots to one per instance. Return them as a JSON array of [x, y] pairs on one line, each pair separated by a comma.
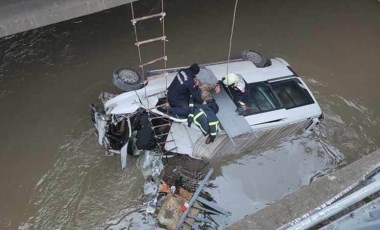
[[239, 90], [145, 135], [207, 90], [204, 117], [180, 90]]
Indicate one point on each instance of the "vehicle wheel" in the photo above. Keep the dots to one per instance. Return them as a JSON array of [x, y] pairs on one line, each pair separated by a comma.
[[254, 57], [127, 79]]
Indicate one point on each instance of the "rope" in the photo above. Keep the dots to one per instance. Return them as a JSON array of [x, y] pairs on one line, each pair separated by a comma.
[[139, 51], [163, 34], [165, 61], [232, 33], [134, 26], [166, 79], [162, 19]]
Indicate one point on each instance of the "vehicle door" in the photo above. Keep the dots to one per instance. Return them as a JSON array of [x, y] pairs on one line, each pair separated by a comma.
[[263, 108], [295, 97]]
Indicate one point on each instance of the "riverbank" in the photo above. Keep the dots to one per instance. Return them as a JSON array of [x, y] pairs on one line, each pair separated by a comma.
[[310, 196]]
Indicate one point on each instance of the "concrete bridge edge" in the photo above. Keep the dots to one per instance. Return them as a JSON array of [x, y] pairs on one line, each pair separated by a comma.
[[310, 196], [21, 16]]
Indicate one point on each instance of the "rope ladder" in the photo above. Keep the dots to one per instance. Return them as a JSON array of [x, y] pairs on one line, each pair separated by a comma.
[[142, 65]]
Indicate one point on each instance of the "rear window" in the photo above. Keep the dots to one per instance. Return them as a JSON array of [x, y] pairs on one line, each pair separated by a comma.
[[291, 93]]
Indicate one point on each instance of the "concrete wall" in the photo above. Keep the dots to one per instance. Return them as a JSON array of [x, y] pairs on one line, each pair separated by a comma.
[[309, 197], [22, 15]]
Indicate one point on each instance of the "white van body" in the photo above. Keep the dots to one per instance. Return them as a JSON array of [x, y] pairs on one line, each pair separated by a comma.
[[283, 105]]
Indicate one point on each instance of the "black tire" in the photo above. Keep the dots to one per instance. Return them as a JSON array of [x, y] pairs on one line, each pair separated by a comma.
[[127, 79], [254, 57]]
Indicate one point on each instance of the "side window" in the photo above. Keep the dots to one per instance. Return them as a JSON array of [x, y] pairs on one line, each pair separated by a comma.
[[261, 99], [292, 93]]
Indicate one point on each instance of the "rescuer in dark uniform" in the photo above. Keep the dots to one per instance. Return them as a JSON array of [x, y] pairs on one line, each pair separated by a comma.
[[203, 116], [180, 90]]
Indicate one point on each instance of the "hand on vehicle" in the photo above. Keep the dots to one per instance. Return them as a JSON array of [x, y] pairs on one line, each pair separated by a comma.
[[240, 111], [217, 88]]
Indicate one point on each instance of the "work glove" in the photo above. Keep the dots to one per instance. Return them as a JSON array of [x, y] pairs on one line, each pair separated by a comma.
[[240, 111]]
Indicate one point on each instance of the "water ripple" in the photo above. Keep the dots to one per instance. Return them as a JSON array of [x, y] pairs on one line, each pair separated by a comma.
[[84, 189]]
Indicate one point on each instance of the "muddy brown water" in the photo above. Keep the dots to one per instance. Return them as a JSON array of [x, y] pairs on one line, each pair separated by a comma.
[[54, 175]]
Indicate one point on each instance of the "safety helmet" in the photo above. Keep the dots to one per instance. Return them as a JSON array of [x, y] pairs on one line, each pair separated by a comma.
[[230, 79]]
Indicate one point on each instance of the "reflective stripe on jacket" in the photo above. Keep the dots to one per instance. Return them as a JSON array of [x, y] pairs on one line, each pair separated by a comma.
[[204, 118]]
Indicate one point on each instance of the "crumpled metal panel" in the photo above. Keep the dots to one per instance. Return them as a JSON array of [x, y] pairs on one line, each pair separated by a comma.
[[243, 143]]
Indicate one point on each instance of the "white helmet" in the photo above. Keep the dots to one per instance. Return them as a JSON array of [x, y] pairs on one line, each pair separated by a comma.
[[230, 79]]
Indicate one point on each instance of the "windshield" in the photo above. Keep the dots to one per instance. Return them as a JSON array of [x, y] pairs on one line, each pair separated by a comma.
[[263, 96]]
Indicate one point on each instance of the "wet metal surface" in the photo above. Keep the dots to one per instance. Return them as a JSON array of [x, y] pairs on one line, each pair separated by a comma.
[[54, 175]]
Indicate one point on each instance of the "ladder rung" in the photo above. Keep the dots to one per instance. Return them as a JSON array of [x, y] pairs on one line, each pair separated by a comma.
[[154, 94], [135, 20], [171, 149], [160, 143], [158, 106], [158, 126], [164, 116], [153, 61], [162, 38], [159, 117], [163, 134]]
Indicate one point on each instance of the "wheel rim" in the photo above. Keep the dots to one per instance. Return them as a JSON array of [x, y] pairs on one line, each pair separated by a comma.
[[253, 57], [128, 76]]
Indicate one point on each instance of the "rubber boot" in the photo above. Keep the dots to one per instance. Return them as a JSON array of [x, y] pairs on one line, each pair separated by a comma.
[[210, 139]]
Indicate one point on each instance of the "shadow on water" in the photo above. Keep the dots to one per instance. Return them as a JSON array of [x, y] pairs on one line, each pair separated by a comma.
[[53, 173]]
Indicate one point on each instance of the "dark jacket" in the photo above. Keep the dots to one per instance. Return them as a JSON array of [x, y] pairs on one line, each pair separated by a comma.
[[181, 88], [145, 136], [204, 118]]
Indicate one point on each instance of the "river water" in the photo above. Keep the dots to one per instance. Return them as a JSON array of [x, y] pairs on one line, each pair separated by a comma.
[[55, 176]]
